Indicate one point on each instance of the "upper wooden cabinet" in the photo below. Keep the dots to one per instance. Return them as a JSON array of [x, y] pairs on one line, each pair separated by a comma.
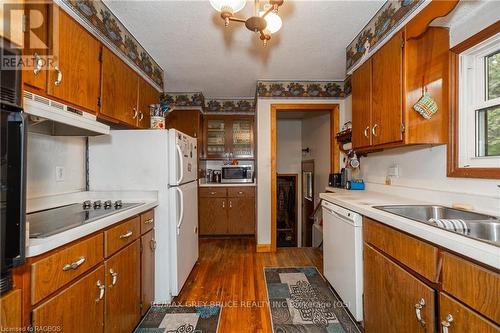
[[386, 87], [74, 76], [147, 95], [228, 136]]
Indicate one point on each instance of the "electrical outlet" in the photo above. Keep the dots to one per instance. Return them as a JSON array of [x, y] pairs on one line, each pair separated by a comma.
[[59, 174], [393, 171]]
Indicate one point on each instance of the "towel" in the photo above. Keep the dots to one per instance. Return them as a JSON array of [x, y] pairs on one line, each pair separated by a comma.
[[456, 225]]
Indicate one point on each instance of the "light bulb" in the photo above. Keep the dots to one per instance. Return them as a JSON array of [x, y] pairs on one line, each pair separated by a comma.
[[273, 21], [234, 5]]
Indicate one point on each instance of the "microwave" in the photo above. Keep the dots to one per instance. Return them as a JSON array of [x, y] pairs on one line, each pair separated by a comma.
[[237, 174]]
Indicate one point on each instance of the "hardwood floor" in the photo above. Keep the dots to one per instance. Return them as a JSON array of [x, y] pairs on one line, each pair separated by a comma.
[[230, 273]]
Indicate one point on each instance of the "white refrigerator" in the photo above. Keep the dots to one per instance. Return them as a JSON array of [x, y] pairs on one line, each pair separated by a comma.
[[165, 161]]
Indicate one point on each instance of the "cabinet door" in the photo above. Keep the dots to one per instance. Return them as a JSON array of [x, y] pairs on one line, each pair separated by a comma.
[[78, 308], [241, 138], [392, 295], [147, 95], [457, 318], [74, 76], [241, 216], [213, 216], [36, 42], [148, 246], [216, 145], [387, 92], [119, 90], [362, 105], [10, 311], [123, 296], [185, 121]]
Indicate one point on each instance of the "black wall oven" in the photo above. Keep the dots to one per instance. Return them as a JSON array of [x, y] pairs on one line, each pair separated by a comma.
[[13, 172]]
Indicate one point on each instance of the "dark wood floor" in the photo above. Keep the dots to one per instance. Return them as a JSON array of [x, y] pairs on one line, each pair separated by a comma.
[[229, 272]]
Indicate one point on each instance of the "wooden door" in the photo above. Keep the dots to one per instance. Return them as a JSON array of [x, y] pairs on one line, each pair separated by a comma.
[[391, 295], [119, 90], [387, 92], [307, 201], [123, 295], [241, 216], [79, 308], [36, 43], [10, 311], [75, 74], [213, 216], [147, 95], [240, 137], [362, 105], [185, 121], [215, 137], [457, 318], [148, 246]]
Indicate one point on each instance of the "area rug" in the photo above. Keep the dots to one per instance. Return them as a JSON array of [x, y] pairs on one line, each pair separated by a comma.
[[179, 319], [301, 301]]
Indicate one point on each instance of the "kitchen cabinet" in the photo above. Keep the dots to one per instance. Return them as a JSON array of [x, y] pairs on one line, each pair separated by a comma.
[[227, 211], [119, 90], [147, 95], [123, 297], [78, 308], [386, 87], [74, 76], [148, 246], [228, 136], [189, 122], [10, 311]]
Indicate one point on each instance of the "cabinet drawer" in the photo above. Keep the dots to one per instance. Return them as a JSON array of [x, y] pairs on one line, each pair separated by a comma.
[[236, 192], [59, 268], [472, 284], [147, 221], [416, 254], [213, 192], [121, 235], [463, 320]]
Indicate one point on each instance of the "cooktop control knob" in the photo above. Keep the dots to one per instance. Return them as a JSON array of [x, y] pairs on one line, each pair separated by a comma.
[[87, 204], [118, 204], [97, 204], [107, 204]]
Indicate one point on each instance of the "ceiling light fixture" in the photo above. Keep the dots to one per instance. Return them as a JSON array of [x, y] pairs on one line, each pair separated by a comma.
[[265, 20]]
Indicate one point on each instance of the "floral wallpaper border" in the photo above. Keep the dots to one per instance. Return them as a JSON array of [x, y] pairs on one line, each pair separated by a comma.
[[212, 105], [302, 89], [183, 99], [99, 16], [392, 13]]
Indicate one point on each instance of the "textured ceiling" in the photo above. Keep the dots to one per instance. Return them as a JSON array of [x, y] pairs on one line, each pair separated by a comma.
[[188, 39]]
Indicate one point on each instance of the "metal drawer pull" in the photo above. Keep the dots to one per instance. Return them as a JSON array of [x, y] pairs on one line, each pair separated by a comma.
[[223, 204], [141, 116], [213, 193], [418, 311], [38, 64], [74, 265], [136, 113], [366, 131], [127, 235], [114, 277], [374, 130], [148, 221], [447, 323], [152, 244], [240, 192], [101, 291], [230, 204], [58, 80]]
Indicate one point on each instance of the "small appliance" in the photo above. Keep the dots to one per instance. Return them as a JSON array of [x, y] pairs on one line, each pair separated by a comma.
[[237, 174], [334, 179]]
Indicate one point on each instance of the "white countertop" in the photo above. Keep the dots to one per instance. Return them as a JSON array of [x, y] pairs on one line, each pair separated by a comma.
[[204, 184], [37, 246], [362, 202]]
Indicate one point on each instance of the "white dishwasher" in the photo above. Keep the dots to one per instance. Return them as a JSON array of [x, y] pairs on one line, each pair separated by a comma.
[[343, 255]]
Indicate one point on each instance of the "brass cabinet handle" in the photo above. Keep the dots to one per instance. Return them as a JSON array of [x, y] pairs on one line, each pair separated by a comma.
[[447, 323], [127, 235], [230, 204], [136, 113], [114, 277], [58, 80], [152, 244], [101, 291], [141, 116], [240, 192], [366, 131], [212, 193], [148, 221], [418, 311], [38, 63], [74, 265], [374, 130], [223, 204]]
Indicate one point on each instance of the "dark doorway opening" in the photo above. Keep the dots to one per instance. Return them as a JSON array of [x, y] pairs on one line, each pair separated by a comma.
[[286, 217]]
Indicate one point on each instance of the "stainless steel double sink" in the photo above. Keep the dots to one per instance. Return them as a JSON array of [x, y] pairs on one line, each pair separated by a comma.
[[479, 226]]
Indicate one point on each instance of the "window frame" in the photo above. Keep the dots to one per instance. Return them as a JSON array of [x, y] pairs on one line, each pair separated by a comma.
[[462, 131]]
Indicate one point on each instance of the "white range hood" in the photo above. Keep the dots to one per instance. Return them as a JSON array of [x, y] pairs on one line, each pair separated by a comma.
[[53, 118]]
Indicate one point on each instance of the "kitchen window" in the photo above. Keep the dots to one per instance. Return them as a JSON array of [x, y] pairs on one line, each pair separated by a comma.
[[479, 105]]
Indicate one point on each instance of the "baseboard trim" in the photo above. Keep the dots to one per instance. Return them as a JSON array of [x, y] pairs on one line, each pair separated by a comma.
[[263, 248]]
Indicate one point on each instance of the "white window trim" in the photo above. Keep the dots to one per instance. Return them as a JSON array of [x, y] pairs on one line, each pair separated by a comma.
[[471, 98]]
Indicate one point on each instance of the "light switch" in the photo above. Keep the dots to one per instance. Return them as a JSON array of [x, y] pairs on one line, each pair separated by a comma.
[[59, 174]]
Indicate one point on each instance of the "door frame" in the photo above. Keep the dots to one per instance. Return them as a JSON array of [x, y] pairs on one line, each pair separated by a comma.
[[334, 109], [303, 218]]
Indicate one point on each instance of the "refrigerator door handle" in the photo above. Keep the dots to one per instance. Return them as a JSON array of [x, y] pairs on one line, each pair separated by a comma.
[[181, 164], [181, 213]]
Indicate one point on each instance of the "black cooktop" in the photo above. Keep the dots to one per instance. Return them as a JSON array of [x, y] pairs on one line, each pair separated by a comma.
[[53, 221]]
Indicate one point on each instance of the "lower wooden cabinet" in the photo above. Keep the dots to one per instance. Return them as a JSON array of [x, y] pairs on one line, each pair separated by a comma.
[[148, 246], [79, 308], [123, 298], [394, 300], [10, 311], [241, 215], [213, 216]]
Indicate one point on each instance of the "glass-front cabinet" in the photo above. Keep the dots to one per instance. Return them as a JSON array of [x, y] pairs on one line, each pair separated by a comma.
[[229, 137]]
